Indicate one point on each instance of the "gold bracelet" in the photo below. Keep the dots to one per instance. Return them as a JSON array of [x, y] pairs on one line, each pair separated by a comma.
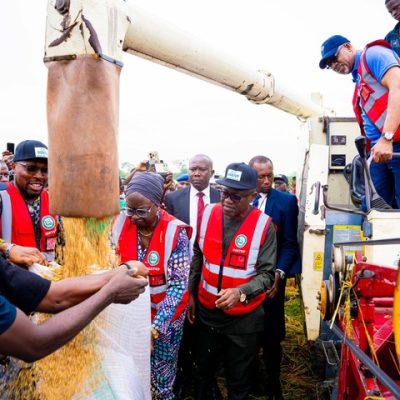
[[155, 333]]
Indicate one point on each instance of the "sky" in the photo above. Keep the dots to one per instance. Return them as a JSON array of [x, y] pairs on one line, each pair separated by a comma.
[[180, 116]]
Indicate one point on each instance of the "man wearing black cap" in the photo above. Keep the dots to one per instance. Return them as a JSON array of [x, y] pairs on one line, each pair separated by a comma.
[[281, 182], [376, 103], [232, 268], [25, 216]]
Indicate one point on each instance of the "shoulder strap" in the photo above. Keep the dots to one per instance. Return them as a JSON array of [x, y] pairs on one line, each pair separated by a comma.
[[6, 219]]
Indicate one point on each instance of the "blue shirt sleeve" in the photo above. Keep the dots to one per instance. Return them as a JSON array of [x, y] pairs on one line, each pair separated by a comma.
[[8, 313], [380, 60]]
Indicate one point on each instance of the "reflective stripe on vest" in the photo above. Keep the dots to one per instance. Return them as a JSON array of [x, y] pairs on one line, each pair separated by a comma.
[[250, 271], [6, 216], [238, 266], [157, 292], [371, 95], [16, 219]]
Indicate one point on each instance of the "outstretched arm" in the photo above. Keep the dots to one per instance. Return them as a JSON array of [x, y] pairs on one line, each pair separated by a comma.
[[31, 342], [68, 292]]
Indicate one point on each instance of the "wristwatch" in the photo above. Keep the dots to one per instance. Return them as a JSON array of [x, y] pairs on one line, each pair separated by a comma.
[[281, 273], [243, 297], [8, 249], [388, 135]]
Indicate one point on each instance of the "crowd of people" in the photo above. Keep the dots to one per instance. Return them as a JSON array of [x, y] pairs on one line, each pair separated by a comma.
[[212, 255], [215, 255]]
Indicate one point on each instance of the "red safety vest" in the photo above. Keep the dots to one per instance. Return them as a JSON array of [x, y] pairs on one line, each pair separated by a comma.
[[162, 243], [370, 95], [16, 222], [238, 265]]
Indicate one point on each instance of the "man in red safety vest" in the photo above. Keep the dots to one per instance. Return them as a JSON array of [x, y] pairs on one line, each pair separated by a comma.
[[25, 216], [376, 74], [232, 267]]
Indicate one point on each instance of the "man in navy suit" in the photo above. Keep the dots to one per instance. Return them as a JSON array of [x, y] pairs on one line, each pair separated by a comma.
[[283, 209], [185, 204]]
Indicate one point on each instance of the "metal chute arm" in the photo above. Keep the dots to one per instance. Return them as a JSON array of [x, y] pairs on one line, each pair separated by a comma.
[[154, 39], [106, 28]]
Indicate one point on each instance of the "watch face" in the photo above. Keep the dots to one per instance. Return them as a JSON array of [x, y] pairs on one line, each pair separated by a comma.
[[242, 297], [388, 135]]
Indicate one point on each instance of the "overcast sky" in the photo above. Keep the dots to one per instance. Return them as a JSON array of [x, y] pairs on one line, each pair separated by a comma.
[[165, 110]]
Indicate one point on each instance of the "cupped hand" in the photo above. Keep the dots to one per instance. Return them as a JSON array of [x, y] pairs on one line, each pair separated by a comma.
[[227, 298], [125, 287], [26, 256]]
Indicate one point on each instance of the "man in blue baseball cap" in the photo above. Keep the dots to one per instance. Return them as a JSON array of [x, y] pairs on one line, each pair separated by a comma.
[[376, 102], [330, 49]]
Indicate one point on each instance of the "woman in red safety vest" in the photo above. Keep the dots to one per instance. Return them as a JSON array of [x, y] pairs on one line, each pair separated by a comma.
[[145, 232]]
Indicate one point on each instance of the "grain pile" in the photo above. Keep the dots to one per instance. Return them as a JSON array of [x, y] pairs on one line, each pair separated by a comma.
[[73, 371]]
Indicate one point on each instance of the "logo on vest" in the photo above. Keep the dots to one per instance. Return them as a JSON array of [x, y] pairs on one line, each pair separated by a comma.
[[153, 258], [48, 222], [241, 241], [365, 91]]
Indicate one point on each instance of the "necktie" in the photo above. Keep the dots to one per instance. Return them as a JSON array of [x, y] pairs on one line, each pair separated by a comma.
[[200, 209], [256, 200]]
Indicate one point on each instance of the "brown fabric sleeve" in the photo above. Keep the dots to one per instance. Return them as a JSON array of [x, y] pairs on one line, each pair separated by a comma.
[[82, 115]]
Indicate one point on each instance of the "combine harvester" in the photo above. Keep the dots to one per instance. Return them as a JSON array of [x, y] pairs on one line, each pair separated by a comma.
[[354, 254]]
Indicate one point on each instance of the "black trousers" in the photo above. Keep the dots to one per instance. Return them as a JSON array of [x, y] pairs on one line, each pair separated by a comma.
[[238, 352]]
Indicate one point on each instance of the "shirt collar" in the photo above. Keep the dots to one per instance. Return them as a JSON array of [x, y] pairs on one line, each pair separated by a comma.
[[194, 191], [354, 72]]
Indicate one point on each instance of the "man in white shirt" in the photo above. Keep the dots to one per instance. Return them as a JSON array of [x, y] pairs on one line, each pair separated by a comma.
[[184, 204]]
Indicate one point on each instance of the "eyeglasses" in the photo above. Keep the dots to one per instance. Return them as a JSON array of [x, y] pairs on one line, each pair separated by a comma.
[[33, 169], [235, 197], [334, 58], [140, 212]]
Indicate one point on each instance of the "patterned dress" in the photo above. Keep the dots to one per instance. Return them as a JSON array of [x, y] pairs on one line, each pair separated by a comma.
[[165, 354]]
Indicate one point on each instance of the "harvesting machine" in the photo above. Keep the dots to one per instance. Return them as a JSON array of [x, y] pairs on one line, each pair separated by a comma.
[[350, 257]]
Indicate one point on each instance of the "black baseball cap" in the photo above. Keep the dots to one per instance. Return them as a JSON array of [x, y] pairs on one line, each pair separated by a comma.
[[239, 176], [30, 150], [281, 177]]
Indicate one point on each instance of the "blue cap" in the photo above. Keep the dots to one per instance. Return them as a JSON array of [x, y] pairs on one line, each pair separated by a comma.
[[183, 178], [329, 48], [30, 150], [239, 176]]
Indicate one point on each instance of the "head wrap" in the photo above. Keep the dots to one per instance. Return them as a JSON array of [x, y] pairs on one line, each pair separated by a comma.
[[148, 184]]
